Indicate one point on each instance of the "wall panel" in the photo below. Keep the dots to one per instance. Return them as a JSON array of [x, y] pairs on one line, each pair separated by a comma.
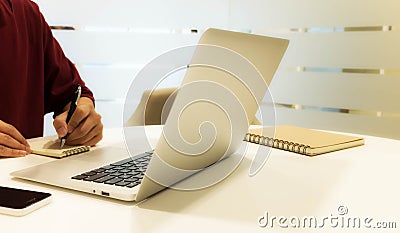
[[171, 14], [256, 14], [341, 70], [370, 92]]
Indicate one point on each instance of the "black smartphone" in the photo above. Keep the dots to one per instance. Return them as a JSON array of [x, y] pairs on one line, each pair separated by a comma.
[[19, 202]]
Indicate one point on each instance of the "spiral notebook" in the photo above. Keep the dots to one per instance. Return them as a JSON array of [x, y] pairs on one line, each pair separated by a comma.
[[50, 146], [302, 140]]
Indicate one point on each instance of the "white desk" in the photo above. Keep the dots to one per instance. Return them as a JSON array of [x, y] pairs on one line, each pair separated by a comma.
[[364, 179]]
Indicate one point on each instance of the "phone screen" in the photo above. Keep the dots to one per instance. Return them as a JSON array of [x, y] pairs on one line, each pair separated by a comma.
[[19, 198]]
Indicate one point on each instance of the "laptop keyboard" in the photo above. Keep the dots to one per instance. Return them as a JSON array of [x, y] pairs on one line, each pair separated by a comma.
[[125, 173]]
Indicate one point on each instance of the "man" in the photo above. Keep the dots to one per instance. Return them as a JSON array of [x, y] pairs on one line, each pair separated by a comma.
[[36, 78]]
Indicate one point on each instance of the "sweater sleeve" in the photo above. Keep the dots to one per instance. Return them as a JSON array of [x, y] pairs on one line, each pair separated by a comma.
[[61, 77]]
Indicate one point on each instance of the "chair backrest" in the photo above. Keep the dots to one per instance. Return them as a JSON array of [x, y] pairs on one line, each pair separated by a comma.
[[150, 108], [341, 70]]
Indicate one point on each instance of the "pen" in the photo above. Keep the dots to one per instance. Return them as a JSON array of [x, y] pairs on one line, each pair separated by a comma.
[[72, 107]]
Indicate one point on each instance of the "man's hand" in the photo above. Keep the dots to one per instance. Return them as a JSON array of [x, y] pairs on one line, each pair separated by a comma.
[[12, 143], [84, 128]]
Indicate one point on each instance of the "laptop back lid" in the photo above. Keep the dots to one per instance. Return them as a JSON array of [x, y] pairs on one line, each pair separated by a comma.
[[225, 82]]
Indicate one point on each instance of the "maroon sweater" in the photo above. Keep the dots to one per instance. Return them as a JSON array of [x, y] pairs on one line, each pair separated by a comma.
[[35, 76]]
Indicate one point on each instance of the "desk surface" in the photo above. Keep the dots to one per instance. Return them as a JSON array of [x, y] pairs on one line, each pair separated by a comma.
[[364, 180]]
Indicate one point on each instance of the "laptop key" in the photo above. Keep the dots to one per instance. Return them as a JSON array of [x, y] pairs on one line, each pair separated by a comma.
[[95, 177], [126, 165], [142, 164], [91, 173], [104, 179], [132, 167], [137, 174], [116, 174], [98, 170], [110, 171], [79, 177], [132, 173], [132, 179], [125, 176], [113, 181], [122, 183], [131, 185], [121, 162], [142, 169], [107, 167]]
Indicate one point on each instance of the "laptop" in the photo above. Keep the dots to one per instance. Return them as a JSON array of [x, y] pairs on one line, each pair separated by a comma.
[[207, 122]]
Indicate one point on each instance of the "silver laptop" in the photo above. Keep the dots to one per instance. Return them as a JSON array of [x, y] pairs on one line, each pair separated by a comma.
[[206, 123]]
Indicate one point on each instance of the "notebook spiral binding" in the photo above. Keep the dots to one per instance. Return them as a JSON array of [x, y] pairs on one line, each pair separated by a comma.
[[76, 150], [276, 143]]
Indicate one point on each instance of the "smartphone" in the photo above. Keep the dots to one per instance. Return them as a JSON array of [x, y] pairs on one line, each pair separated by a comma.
[[19, 202]]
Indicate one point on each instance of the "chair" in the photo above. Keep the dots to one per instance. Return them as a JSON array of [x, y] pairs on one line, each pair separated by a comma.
[[154, 106]]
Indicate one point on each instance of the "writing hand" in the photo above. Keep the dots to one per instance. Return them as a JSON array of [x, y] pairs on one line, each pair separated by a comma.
[[84, 127], [12, 143]]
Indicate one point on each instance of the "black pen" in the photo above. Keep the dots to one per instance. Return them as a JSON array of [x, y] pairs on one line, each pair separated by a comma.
[[72, 107]]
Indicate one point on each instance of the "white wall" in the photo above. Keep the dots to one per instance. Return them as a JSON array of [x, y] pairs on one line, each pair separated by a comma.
[[341, 71]]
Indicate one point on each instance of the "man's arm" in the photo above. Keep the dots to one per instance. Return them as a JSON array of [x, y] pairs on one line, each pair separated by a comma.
[[12, 143], [84, 127], [61, 80]]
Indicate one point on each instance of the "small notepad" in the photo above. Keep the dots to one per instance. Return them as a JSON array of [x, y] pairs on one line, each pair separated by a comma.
[[50, 146], [302, 140]]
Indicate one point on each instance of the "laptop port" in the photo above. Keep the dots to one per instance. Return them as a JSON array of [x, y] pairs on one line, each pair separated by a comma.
[[105, 193]]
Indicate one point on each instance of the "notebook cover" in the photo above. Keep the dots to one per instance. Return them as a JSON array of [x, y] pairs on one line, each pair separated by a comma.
[[50, 146], [317, 142]]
